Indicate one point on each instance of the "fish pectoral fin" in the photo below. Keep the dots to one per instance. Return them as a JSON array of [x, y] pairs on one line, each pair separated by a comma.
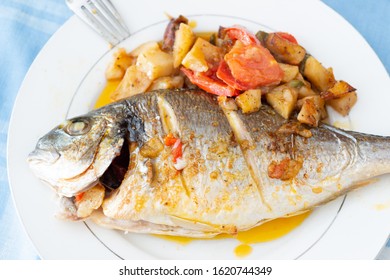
[[141, 226], [297, 213]]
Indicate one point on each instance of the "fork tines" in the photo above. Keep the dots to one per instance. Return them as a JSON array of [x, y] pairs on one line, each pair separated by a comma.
[[105, 19]]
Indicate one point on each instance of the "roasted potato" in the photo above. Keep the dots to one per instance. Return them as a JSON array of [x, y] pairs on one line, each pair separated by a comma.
[[89, 201], [155, 63], [289, 72], [167, 83], [195, 58], [202, 55], [283, 99], [339, 89], [152, 45], [117, 68], [184, 39], [249, 101], [312, 110], [134, 82], [344, 104], [284, 50], [318, 75], [305, 89]]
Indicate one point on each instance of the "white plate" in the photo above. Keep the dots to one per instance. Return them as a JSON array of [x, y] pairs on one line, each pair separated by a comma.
[[68, 74]]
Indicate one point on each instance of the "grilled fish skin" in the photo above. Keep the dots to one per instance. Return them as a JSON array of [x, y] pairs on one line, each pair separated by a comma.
[[224, 185]]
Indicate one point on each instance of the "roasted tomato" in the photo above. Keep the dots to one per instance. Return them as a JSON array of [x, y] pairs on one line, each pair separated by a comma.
[[250, 66], [288, 37], [169, 140], [176, 144], [210, 83], [241, 34], [247, 65], [225, 75], [177, 150]]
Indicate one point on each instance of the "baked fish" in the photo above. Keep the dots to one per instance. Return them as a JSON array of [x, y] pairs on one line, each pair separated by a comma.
[[176, 162]]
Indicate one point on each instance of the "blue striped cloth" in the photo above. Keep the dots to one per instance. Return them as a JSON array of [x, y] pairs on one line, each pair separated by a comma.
[[27, 25]]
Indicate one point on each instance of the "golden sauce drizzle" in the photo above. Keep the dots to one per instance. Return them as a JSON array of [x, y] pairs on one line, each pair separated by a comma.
[[266, 232], [104, 97], [271, 230], [382, 206], [243, 250]]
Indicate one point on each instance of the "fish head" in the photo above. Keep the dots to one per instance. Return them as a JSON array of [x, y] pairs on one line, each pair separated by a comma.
[[73, 155]]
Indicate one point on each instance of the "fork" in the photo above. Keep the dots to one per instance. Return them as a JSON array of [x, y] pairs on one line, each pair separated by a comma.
[[102, 17]]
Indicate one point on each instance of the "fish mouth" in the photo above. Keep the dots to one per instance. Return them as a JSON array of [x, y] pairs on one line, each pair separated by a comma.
[[45, 156], [113, 176]]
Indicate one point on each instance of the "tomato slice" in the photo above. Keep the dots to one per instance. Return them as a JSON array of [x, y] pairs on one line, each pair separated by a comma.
[[176, 144], [247, 65], [250, 66], [288, 37], [79, 196], [169, 140], [209, 83], [177, 150], [240, 33], [225, 75]]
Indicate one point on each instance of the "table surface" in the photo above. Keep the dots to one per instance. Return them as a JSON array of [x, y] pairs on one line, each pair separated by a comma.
[[26, 27]]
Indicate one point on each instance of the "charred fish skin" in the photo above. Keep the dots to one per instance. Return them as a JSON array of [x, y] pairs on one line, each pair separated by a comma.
[[224, 185]]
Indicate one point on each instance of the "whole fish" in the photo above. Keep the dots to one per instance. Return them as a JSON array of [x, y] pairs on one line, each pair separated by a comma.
[[223, 172]]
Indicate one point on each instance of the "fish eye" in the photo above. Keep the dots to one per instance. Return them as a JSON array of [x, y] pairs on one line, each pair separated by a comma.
[[77, 127]]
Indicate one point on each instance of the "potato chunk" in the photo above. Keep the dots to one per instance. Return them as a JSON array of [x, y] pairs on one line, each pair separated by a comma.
[[317, 74], [202, 55], [339, 89], [155, 63], [249, 101], [89, 200], [152, 45], [305, 91], [312, 110], [167, 83], [184, 39], [284, 50], [289, 72], [305, 88], [134, 82], [195, 59], [117, 68], [344, 104], [152, 148], [283, 99]]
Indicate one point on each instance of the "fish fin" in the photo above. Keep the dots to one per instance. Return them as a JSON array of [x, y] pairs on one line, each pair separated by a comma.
[[142, 226]]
